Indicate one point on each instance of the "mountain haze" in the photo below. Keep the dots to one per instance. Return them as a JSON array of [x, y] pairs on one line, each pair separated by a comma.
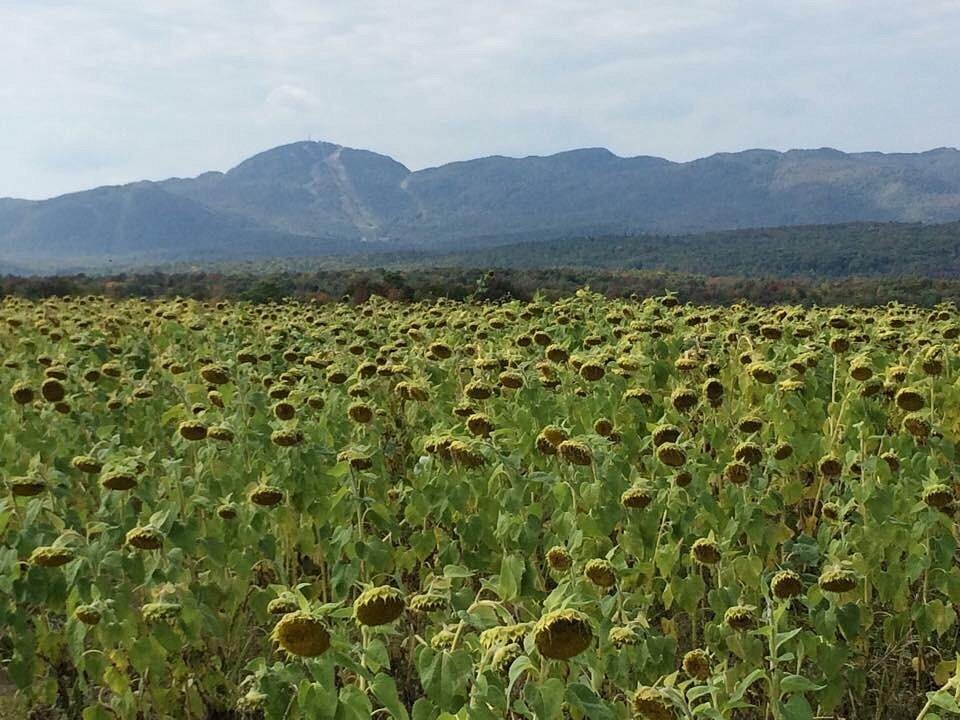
[[318, 198]]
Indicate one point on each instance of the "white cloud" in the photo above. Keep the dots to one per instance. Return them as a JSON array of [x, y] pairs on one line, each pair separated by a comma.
[[102, 91]]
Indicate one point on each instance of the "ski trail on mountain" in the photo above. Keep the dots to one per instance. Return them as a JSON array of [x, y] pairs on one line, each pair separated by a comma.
[[361, 217]]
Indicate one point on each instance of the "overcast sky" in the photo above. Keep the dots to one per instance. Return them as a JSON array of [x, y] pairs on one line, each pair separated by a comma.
[[106, 91]]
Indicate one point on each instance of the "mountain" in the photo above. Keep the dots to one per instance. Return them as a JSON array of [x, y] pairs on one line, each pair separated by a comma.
[[317, 198]]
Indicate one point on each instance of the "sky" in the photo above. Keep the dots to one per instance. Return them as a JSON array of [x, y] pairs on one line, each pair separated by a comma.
[[98, 92]]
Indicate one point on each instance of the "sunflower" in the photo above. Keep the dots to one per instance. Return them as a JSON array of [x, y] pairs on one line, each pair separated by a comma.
[[837, 579], [266, 495], [671, 455], [696, 664], [87, 614], [938, 495], [740, 617], [562, 634], [145, 538], [283, 604], [27, 486], [705, 551], [622, 636], [600, 572], [192, 430], [559, 559], [428, 603], [786, 584], [652, 705], [287, 437], [22, 393], [636, 497], [502, 635], [301, 634], [378, 605], [575, 452], [51, 556]]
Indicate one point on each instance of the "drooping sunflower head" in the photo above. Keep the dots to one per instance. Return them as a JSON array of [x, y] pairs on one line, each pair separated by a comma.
[[562, 634], [750, 424], [600, 572], [283, 604], [504, 655], [480, 425], [22, 393], [651, 704], [287, 437], [786, 584], [88, 614], [266, 495], [591, 371], [621, 636], [302, 634], [830, 510], [892, 460], [782, 451], [51, 556], [603, 427], [192, 430], [705, 551], [938, 495], [636, 497], [736, 472], [830, 466], [360, 413], [378, 605], [696, 664], [748, 452], [27, 486], [443, 639], [639, 395], [762, 372], [838, 579], [356, 459], [559, 558], [146, 537], [575, 452], [511, 379], [221, 433], [500, 635], [428, 603], [683, 399], [466, 454], [917, 425], [671, 455], [215, 374], [740, 617]]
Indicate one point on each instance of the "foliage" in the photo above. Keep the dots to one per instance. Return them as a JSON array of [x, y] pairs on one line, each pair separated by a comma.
[[581, 508]]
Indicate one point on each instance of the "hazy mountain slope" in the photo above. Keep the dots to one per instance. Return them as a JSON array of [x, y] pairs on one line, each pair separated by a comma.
[[140, 222], [318, 198]]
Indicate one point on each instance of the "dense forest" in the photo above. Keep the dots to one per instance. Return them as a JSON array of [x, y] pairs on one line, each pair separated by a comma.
[[357, 285], [827, 251]]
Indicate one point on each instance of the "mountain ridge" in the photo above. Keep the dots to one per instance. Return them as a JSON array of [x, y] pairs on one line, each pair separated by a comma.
[[317, 197]]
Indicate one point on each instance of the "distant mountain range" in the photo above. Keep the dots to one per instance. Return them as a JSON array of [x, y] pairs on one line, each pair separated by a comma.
[[317, 198]]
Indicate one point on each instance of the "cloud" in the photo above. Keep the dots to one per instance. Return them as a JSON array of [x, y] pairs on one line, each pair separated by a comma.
[[105, 91]]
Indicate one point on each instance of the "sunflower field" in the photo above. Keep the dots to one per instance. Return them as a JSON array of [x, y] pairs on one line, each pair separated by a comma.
[[585, 508]]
